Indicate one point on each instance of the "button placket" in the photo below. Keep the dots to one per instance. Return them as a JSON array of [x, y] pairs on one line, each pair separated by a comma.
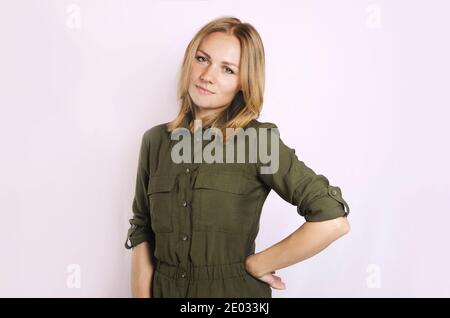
[[185, 230]]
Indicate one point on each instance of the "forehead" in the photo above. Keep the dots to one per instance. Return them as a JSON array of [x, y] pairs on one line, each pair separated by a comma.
[[222, 47]]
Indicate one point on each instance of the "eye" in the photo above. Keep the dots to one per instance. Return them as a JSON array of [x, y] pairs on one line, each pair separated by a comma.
[[227, 68], [201, 57]]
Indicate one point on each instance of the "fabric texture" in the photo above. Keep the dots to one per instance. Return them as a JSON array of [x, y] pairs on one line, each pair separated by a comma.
[[202, 219]]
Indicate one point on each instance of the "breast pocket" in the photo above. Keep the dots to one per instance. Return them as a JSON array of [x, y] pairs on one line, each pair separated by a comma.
[[224, 202], [161, 195]]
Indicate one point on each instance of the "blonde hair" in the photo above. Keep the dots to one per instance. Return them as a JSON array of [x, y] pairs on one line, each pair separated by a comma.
[[247, 103]]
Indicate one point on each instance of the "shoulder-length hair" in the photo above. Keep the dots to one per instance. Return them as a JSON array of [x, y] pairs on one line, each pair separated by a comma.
[[247, 103]]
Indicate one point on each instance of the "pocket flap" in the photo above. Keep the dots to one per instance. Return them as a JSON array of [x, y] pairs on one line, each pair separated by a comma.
[[161, 184], [232, 183]]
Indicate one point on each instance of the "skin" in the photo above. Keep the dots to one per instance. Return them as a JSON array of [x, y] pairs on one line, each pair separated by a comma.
[[210, 71], [142, 269], [309, 239]]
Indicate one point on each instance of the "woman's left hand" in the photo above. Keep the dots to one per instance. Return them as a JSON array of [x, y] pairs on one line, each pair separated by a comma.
[[273, 280]]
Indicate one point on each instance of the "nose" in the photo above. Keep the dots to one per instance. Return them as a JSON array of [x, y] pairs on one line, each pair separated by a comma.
[[208, 75]]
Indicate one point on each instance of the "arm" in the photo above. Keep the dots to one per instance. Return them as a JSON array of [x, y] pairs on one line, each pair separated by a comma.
[[322, 205], [142, 268], [140, 237], [308, 240]]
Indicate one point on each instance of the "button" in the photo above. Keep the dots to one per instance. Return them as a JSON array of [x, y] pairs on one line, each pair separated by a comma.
[[187, 170], [185, 203], [183, 274], [185, 237]]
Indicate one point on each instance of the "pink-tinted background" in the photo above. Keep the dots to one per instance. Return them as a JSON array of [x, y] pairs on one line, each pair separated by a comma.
[[358, 88]]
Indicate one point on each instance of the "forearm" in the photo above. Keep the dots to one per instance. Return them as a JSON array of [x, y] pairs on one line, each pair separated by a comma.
[[142, 268], [308, 240]]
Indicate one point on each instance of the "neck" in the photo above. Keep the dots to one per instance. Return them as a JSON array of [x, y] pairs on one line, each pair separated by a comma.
[[202, 113]]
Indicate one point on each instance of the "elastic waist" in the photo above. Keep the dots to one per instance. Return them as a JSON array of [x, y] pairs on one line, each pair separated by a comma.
[[201, 271]]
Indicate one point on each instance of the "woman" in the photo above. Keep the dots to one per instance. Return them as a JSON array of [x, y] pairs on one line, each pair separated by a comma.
[[194, 223]]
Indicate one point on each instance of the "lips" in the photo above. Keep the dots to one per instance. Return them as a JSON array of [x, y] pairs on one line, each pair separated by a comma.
[[203, 90]]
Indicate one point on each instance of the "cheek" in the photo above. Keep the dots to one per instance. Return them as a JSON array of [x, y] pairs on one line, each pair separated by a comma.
[[195, 73], [230, 86]]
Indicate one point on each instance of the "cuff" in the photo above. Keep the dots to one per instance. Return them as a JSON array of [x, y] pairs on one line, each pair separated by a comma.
[[327, 207], [136, 236]]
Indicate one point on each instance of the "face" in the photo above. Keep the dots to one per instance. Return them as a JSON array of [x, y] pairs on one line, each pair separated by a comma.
[[216, 68]]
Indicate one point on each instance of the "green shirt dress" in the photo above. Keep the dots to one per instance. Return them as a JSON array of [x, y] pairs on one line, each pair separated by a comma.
[[201, 219]]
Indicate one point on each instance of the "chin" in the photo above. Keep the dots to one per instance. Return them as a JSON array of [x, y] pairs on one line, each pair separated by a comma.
[[204, 106], [200, 102]]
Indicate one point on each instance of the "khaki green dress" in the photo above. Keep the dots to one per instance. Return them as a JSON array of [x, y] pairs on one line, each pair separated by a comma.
[[201, 219]]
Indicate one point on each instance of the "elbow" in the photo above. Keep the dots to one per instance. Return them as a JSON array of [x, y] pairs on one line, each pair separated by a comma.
[[345, 225], [341, 225]]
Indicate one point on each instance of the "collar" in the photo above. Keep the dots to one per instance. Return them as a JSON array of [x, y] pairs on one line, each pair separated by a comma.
[[186, 121]]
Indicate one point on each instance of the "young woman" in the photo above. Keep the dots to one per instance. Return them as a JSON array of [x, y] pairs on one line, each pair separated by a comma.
[[195, 223]]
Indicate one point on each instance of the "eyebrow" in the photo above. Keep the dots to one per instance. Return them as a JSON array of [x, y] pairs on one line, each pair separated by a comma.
[[224, 62]]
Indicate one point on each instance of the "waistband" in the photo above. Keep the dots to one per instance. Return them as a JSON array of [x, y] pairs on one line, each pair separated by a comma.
[[201, 272]]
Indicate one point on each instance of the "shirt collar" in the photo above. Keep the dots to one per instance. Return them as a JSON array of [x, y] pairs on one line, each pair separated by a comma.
[[186, 121]]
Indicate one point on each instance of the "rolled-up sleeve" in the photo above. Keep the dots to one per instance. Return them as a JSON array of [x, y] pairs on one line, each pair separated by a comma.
[[315, 198], [140, 224]]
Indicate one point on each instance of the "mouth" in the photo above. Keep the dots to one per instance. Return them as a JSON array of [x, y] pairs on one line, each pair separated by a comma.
[[203, 90]]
